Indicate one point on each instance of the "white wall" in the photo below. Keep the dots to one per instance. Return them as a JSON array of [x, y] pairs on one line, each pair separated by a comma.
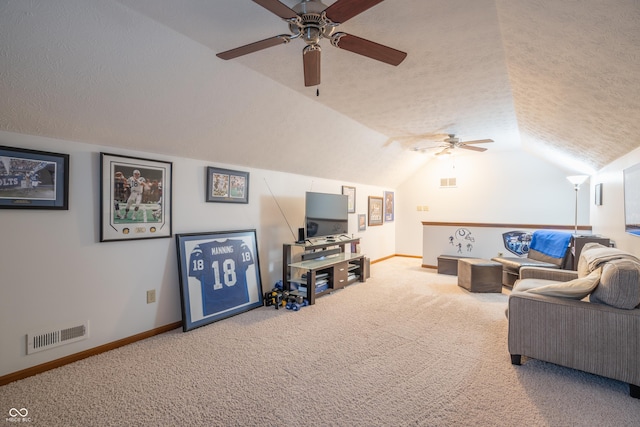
[[55, 271], [608, 219], [492, 187]]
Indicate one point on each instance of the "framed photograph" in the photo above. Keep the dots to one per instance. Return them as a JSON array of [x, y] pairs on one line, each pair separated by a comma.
[[135, 198], [375, 210], [219, 275], [388, 206], [598, 195], [31, 179], [350, 192], [362, 222], [227, 186]]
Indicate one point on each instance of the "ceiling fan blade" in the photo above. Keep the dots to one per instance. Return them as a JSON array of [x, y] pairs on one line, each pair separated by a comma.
[[368, 48], [253, 47], [444, 151], [343, 10], [276, 7], [311, 61], [472, 148], [479, 141]]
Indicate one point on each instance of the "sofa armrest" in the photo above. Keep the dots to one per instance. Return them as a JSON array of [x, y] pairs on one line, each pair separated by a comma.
[[554, 274], [595, 338]]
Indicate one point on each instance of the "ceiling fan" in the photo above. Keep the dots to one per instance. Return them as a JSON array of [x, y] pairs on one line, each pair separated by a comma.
[[451, 142], [312, 21]]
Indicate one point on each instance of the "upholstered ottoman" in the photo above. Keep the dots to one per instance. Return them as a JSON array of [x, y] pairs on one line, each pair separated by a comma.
[[448, 264], [479, 275]]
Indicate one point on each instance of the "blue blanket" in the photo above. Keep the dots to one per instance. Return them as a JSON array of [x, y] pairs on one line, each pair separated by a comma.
[[551, 243]]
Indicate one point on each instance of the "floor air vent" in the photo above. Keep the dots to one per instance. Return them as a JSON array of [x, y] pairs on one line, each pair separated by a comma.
[[54, 338]]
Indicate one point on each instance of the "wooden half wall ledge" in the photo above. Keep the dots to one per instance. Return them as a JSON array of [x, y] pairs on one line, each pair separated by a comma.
[[496, 225], [35, 370]]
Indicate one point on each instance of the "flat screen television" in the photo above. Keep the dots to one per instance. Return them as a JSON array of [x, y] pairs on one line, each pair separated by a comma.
[[325, 214], [632, 200]]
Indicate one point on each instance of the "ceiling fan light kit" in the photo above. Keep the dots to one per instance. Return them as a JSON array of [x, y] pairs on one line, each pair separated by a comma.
[[312, 20]]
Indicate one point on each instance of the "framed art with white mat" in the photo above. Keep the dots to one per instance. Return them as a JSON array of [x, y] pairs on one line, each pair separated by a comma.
[[135, 198]]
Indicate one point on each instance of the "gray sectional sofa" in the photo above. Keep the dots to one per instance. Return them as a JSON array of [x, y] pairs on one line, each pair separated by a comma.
[[587, 319]]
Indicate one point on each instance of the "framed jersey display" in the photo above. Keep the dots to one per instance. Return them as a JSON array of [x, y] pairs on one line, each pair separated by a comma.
[[32, 179], [135, 198], [219, 275]]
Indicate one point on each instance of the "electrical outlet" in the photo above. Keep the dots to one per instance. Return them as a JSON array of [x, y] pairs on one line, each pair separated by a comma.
[[151, 296], [419, 208], [425, 208]]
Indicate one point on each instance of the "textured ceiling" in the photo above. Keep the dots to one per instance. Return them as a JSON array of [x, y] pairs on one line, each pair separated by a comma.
[[559, 79]]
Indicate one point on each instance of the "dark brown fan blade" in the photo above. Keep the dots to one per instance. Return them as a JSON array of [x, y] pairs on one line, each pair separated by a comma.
[[343, 10], [274, 6], [311, 60], [253, 47], [470, 147], [368, 48], [478, 141]]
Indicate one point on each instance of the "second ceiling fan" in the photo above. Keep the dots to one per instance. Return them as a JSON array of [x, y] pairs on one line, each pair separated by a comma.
[[451, 142], [312, 21]]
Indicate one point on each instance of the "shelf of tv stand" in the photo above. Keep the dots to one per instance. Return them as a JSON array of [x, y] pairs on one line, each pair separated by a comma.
[[337, 264]]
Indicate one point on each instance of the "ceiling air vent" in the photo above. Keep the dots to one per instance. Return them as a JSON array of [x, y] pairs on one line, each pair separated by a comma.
[[447, 182]]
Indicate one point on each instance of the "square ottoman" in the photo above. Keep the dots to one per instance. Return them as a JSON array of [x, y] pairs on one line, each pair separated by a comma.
[[479, 275], [448, 264]]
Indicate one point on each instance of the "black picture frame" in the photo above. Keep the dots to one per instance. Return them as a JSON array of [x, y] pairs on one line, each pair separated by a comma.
[[125, 212], [598, 195], [32, 179], [350, 192], [227, 185], [219, 275]]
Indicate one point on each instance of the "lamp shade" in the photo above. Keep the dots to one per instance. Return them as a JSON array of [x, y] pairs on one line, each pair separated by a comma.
[[577, 179]]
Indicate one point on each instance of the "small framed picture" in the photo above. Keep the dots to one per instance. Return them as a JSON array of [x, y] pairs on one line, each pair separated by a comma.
[[388, 206], [598, 195], [362, 222], [376, 210], [135, 198], [350, 192], [31, 179], [219, 275], [227, 186]]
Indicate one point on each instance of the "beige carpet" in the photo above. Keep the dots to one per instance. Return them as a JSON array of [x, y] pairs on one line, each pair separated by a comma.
[[406, 348]]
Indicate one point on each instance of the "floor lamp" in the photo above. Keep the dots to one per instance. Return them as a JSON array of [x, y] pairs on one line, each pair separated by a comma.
[[577, 181]]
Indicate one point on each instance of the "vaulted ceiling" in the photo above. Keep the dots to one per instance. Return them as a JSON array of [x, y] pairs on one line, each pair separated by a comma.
[[560, 79]]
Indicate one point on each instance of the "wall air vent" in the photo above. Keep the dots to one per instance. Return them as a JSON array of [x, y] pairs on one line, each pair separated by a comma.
[[447, 182], [50, 338]]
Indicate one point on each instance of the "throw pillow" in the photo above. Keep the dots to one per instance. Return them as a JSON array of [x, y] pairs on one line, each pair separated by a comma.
[[575, 289], [619, 285]]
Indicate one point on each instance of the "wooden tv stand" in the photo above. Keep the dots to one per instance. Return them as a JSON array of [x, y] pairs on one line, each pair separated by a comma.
[[314, 262]]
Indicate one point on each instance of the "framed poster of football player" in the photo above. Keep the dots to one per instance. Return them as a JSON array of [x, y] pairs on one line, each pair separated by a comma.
[[227, 186], [135, 198], [32, 179], [219, 275]]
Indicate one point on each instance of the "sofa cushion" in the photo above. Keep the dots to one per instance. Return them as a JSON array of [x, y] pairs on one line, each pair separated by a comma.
[[525, 284], [576, 289], [619, 284]]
